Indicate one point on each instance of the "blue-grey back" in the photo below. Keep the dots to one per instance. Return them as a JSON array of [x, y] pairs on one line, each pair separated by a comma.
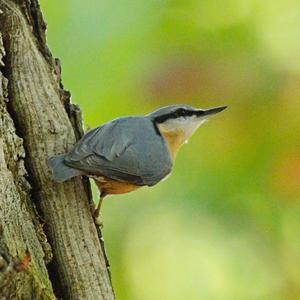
[[127, 149]]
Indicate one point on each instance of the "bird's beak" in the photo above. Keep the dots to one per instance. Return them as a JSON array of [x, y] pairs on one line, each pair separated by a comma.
[[211, 111]]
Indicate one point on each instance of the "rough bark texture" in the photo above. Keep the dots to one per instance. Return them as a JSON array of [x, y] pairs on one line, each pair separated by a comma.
[[37, 121]]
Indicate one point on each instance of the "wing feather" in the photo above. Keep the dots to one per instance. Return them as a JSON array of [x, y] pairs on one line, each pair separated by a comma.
[[106, 141], [121, 150]]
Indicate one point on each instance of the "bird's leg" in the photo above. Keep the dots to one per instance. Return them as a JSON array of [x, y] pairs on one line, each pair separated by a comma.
[[96, 213], [97, 210]]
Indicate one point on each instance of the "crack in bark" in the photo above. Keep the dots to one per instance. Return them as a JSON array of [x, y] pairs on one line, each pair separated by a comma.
[[16, 238]]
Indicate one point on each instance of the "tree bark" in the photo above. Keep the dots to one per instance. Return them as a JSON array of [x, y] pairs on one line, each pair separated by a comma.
[[49, 244]]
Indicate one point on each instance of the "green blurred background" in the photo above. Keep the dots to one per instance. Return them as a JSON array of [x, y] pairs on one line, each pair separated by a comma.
[[226, 224]]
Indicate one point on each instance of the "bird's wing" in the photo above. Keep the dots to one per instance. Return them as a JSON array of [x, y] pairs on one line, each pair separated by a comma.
[[106, 141], [111, 151]]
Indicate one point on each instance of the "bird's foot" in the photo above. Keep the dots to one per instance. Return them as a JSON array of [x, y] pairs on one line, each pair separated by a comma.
[[97, 215], [98, 221]]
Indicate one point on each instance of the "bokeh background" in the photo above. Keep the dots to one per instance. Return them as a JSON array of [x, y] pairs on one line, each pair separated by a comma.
[[226, 224]]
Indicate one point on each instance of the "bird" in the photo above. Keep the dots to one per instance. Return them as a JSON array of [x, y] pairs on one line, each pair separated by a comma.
[[128, 153]]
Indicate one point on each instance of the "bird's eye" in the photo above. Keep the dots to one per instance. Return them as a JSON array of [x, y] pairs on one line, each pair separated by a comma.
[[181, 112]]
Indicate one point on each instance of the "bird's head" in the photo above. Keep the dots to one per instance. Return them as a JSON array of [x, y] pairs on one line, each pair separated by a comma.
[[177, 123]]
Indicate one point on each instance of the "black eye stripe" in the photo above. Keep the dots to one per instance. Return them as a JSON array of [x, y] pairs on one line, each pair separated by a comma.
[[177, 113], [183, 112]]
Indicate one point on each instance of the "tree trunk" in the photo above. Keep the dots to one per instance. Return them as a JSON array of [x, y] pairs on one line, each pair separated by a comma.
[[49, 244]]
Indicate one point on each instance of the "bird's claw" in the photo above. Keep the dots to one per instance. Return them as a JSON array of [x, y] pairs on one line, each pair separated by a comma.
[[97, 217], [98, 221]]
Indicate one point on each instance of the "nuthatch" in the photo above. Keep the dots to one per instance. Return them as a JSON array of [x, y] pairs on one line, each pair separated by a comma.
[[128, 153]]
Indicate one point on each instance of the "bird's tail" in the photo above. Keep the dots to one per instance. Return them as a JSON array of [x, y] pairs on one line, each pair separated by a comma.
[[60, 171]]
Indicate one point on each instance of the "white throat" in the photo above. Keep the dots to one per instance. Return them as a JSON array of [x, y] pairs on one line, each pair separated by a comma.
[[184, 127], [178, 131]]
